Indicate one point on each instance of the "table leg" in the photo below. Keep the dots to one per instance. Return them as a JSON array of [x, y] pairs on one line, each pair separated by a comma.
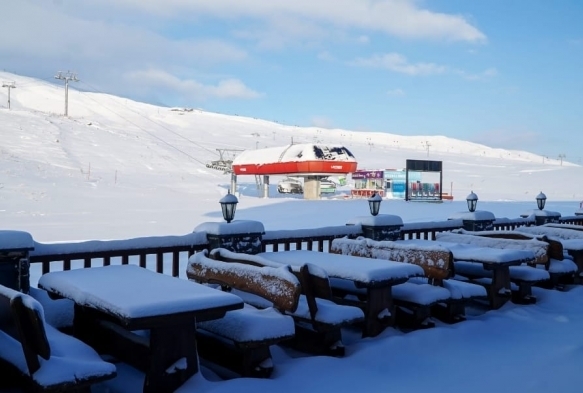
[[500, 289], [379, 311], [578, 259], [173, 357]]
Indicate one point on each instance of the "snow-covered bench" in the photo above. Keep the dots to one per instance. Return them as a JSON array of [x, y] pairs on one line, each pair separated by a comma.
[[523, 277], [570, 237], [420, 297], [240, 340], [317, 319], [561, 269], [38, 356]]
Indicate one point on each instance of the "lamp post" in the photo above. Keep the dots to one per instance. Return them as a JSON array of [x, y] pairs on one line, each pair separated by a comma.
[[541, 199], [228, 206], [374, 203], [473, 220], [378, 227], [472, 200], [242, 236]]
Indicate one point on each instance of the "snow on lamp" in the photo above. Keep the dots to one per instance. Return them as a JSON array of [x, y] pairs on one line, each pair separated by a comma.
[[541, 200], [472, 200], [374, 203], [228, 205]]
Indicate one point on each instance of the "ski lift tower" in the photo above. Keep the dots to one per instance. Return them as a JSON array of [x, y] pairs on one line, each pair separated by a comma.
[[225, 165]]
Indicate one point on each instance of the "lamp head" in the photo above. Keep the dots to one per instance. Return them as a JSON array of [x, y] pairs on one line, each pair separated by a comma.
[[541, 200], [472, 200], [374, 203], [228, 206]]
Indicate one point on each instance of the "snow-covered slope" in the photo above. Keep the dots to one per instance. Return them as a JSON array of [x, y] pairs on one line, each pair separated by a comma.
[[114, 154]]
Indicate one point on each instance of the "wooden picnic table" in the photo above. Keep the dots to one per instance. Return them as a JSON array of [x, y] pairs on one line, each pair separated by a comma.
[[570, 236], [498, 261], [141, 317], [373, 275]]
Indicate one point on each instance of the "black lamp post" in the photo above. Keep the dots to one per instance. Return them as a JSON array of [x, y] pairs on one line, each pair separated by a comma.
[[228, 205], [374, 203], [472, 201], [541, 200]]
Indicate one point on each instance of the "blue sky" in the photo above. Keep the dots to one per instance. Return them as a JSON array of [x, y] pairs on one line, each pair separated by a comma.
[[503, 73]]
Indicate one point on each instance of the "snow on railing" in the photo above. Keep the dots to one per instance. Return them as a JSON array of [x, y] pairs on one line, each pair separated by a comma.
[[162, 253]]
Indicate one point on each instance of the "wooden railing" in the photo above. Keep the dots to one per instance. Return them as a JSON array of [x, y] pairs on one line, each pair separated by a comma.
[[319, 239], [573, 220], [427, 230], [169, 254], [162, 254]]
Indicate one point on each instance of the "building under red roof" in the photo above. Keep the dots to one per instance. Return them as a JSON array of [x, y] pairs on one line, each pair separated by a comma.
[[297, 160]]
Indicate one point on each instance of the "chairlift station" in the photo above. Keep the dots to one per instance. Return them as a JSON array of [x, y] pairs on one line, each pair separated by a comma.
[[309, 161]]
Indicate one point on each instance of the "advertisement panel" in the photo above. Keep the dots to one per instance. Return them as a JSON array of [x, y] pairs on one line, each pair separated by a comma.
[[367, 175]]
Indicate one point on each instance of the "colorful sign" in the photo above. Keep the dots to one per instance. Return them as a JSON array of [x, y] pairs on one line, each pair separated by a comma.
[[368, 175]]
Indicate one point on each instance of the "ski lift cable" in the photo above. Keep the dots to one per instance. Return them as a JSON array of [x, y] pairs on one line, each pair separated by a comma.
[[37, 82], [45, 82], [152, 121], [147, 132]]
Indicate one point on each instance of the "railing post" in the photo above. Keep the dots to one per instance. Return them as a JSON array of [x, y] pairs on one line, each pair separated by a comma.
[[142, 260], [243, 236], [159, 262], [175, 263]]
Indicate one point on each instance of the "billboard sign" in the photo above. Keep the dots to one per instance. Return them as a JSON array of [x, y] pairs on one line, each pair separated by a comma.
[[368, 175]]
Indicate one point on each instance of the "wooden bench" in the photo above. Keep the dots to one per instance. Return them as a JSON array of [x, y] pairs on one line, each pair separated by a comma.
[[318, 320], [523, 277], [561, 270], [39, 357], [240, 340], [435, 294], [569, 236]]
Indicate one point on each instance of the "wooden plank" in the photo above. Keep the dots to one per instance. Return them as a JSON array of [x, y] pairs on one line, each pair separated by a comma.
[[284, 294], [31, 331]]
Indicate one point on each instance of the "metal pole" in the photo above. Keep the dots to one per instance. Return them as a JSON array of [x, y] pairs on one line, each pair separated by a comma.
[[66, 97], [68, 77], [9, 85], [233, 183]]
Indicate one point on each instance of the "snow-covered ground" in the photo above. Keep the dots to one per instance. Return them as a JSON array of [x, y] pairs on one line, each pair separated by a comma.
[[119, 169]]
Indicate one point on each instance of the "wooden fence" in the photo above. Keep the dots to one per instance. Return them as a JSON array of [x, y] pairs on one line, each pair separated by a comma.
[[169, 255]]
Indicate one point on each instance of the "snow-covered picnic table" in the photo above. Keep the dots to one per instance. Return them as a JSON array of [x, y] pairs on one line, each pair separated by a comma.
[[112, 301], [498, 261], [487, 256], [570, 236], [376, 276]]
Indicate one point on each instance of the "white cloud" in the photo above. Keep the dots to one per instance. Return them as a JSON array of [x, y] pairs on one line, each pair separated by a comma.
[[402, 18], [51, 39], [52, 34], [157, 79], [398, 63], [283, 31]]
